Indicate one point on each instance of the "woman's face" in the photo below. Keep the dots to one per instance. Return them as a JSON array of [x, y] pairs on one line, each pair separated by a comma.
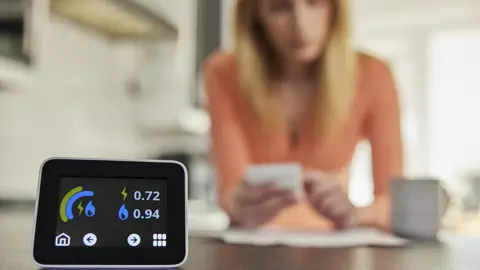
[[298, 29]]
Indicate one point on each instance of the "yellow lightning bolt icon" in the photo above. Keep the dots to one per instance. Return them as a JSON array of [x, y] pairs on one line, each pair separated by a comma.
[[124, 193], [80, 208]]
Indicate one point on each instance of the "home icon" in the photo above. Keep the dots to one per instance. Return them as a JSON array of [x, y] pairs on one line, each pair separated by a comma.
[[62, 240]]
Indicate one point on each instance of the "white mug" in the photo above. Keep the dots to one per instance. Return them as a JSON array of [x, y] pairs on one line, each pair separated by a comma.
[[418, 207]]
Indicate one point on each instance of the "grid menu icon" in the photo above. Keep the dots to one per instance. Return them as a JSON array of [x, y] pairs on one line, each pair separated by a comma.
[[159, 240]]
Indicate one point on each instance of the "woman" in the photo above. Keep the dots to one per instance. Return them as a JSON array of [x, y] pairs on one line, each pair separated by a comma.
[[295, 90]]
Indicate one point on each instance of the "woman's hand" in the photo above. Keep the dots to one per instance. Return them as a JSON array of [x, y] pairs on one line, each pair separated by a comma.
[[329, 199], [254, 206]]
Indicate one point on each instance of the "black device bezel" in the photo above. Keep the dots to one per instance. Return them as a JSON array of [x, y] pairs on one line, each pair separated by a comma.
[[45, 253]]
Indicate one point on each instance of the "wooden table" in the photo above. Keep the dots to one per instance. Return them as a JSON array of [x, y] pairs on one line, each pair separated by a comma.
[[16, 230]]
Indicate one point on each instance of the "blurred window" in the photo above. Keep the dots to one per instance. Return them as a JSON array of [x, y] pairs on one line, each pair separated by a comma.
[[454, 104]]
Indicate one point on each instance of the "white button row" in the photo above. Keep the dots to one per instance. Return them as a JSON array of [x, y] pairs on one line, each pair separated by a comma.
[[159, 243], [90, 239]]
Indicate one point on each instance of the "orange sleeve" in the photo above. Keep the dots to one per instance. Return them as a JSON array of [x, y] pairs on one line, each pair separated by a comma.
[[383, 129], [229, 148]]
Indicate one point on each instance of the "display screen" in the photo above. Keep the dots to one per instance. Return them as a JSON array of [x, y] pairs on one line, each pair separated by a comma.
[[112, 212]]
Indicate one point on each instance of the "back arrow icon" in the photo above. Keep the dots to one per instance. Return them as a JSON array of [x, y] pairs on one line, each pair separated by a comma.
[[90, 239]]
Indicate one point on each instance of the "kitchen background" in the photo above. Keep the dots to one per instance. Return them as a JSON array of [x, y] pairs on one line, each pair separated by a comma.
[[122, 79]]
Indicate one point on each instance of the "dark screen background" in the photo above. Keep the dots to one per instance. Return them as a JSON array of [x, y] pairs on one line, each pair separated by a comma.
[[107, 200]]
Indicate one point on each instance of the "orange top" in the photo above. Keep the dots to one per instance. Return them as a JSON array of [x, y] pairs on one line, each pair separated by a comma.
[[237, 142]]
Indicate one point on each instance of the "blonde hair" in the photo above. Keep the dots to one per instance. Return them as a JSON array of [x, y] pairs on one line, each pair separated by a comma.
[[336, 70]]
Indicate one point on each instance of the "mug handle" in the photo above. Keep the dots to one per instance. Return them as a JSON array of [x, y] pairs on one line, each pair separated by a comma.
[[447, 196]]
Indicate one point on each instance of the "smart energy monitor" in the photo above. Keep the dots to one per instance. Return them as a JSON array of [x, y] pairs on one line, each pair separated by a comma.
[[111, 213]]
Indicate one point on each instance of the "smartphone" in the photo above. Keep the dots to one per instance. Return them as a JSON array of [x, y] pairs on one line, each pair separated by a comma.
[[286, 176]]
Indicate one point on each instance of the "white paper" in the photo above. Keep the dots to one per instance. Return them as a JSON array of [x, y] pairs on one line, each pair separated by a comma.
[[350, 238]]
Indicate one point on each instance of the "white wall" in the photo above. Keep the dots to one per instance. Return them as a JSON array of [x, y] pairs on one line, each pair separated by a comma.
[[75, 102], [176, 73]]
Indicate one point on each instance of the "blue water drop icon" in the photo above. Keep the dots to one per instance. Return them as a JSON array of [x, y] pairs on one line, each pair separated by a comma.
[[123, 213], [90, 210]]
